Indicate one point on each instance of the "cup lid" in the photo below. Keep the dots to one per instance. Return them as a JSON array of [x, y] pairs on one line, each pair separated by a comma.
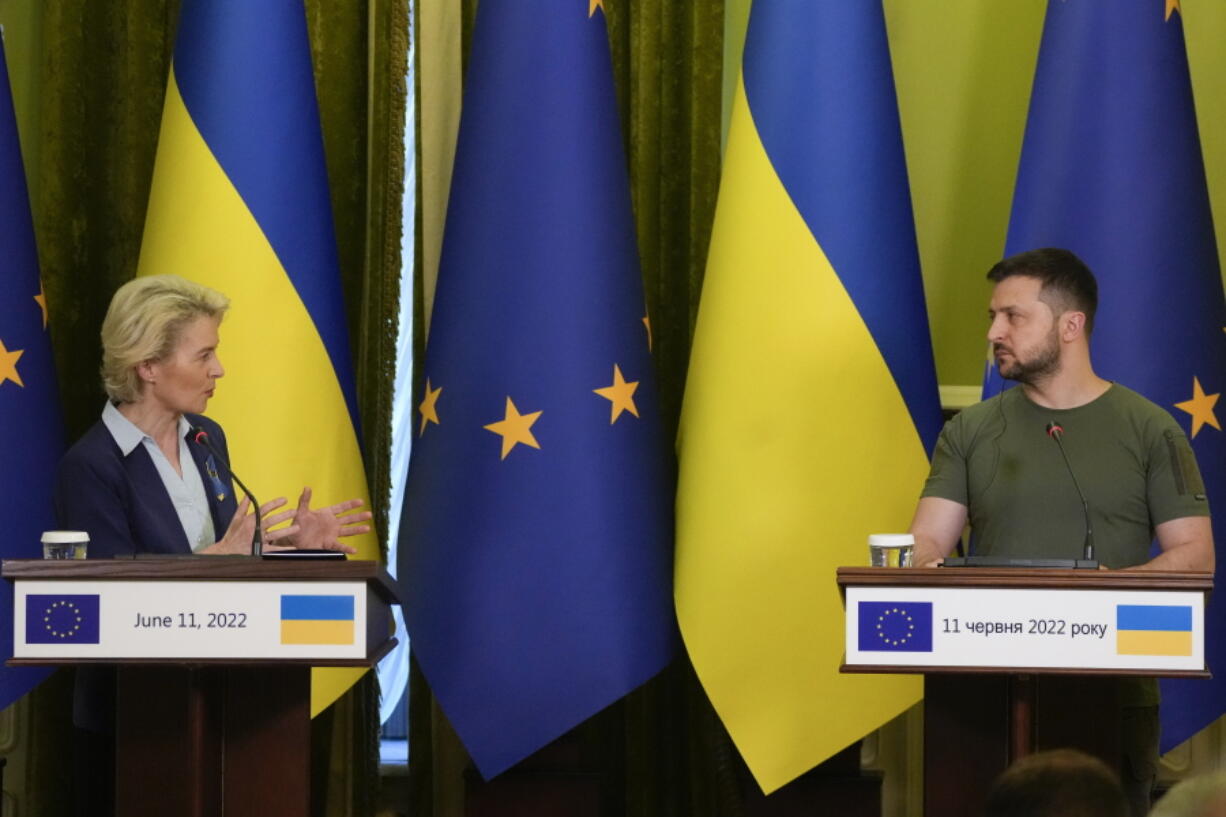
[[890, 540], [64, 537]]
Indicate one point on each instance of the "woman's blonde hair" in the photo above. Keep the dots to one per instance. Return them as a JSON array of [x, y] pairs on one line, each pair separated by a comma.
[[144, 322]]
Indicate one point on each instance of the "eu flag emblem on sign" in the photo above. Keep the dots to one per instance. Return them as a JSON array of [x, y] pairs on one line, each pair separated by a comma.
[[895, 626], [62, 619]]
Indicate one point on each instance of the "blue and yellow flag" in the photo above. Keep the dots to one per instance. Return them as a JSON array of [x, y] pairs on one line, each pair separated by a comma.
[[1153, 629], [537, 531], [31, 429], [811, 403], [240, 203], [1111, 168], [317, 619]]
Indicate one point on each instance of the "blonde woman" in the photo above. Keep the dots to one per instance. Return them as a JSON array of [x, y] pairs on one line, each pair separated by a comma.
[[135, 481]]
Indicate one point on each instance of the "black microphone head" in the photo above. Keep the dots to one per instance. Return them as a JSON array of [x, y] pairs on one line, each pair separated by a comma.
[[199, 435], [1055, 431]]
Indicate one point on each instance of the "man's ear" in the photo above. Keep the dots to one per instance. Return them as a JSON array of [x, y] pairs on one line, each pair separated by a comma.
[[1072, 325]]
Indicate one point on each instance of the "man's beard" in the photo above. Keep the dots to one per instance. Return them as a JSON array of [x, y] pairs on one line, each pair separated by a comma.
[[1044, 364]]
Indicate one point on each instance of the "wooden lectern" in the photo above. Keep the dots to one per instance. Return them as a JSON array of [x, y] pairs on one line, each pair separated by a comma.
[[213, 657], [1017, 660]]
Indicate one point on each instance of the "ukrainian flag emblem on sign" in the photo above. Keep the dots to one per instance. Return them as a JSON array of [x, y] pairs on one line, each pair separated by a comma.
[[316, 619], [1144, 629]]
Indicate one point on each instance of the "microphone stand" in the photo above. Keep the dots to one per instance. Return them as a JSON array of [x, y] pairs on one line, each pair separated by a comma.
[[201, 437], [1056, 432]]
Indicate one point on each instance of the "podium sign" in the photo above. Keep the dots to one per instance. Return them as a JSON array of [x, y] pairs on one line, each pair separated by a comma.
[[1017, 660], [927, 628], [169, 620], [212, 660]]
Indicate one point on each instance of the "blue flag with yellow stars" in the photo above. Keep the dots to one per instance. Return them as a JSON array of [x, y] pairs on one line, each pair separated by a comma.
[[536, 554], [31, 429], [1111, 169]]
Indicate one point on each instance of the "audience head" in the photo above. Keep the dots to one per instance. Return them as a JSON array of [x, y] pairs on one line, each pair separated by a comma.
[[1203, 796], [1058, 783]]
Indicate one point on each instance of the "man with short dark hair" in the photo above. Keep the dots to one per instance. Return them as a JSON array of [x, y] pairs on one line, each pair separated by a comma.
[[1059, 783], [994, 468]]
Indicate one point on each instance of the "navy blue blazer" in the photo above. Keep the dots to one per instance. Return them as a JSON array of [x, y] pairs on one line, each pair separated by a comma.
[[121, 501], [123, 505]]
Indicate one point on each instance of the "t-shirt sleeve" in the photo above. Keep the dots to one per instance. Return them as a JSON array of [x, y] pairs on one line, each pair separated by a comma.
[[1174, 482], [947, 477]]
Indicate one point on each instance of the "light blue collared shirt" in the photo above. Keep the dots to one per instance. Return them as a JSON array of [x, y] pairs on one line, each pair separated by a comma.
[[186, 491]]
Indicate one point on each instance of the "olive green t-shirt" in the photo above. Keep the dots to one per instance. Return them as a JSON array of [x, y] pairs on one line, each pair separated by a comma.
[[1131, 458]]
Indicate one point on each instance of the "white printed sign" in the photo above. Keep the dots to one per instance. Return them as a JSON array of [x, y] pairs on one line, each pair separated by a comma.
[[189, 619], [1025, 628]]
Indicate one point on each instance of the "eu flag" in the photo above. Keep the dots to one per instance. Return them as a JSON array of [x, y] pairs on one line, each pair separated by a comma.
[[536, 546], [62, 619], [31, 431], [895, 626], [1111, 168]]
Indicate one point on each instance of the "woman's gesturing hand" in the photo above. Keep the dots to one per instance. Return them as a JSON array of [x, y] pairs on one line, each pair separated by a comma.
[[323, 528], [237, 538]]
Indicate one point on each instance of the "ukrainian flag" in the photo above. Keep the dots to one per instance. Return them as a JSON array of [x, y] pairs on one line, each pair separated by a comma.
[[1153, 629], [811, 401], [240, 202], [316, 619]]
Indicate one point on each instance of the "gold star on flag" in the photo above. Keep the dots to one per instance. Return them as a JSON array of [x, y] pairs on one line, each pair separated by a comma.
[[8, 365], [620, 394], [1200, 407], [599, 4], [1172, 6], [647, 323], [429, 407], [41, 297], [515, 428]]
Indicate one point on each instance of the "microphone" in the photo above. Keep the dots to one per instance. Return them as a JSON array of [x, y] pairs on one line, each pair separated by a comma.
[[201, 438], [1056, 432]]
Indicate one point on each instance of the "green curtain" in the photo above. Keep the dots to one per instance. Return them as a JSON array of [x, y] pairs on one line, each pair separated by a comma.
[[662, 750], [101, 81], [668, 66]]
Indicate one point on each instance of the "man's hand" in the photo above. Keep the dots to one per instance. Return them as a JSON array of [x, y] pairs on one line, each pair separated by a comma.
[[937, 526], [1186, 543]]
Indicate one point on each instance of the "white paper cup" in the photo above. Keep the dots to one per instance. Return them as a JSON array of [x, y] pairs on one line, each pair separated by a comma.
[[65, 544], [890, 549]]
